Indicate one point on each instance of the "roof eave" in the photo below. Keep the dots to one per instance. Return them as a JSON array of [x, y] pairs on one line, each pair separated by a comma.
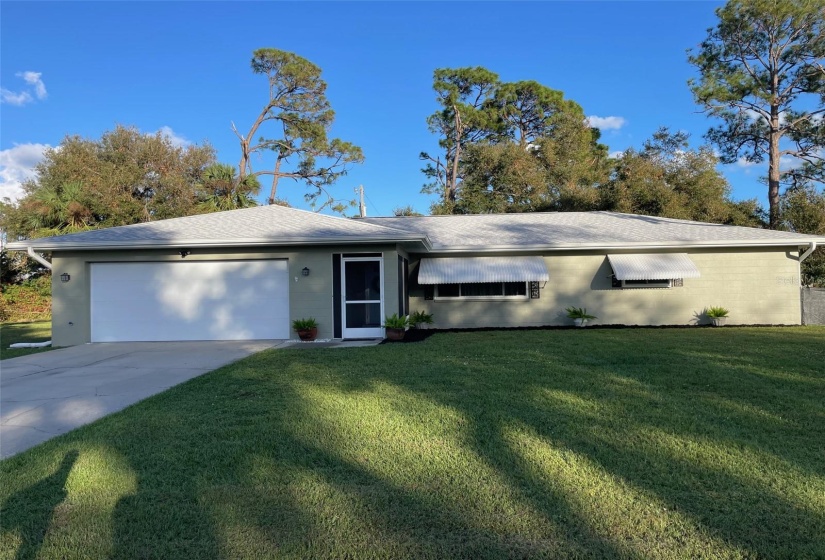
[[190, 243], [624, 246], [424, 243]]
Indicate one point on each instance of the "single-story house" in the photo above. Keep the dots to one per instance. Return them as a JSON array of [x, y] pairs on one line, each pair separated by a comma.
[[246, 274]]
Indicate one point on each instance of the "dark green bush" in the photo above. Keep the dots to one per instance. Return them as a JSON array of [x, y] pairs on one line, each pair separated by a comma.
[[28, 301]]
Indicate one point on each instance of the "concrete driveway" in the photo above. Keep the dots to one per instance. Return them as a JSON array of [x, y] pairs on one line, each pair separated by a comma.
[[47, 394]]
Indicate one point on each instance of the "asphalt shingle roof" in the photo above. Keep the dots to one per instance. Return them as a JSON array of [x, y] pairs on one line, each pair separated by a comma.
[[278, 225], [253, 226], [560, 230]]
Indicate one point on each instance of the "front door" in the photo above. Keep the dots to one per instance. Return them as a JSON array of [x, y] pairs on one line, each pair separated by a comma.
[[363, 302]]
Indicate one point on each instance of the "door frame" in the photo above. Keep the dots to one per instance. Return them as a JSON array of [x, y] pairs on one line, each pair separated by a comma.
[[375, 332]]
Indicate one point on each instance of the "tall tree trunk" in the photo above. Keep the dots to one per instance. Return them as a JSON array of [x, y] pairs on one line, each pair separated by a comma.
[[275, 178], [774, 173], [773, 139], [773, 148], [452, 184], [244, 160]]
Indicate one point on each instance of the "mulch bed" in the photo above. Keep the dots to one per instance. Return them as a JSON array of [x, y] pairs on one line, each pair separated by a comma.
[[418, 335]]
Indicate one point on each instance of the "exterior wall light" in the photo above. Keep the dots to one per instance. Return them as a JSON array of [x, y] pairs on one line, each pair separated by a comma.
[[305, 271], [65, 277]]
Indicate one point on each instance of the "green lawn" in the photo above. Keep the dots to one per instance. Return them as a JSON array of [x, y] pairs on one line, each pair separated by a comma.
[[636, 443], [23, 332]]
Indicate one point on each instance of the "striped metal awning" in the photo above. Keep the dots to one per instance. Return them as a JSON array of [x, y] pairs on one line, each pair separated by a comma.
[[467, 270], [659, 266]]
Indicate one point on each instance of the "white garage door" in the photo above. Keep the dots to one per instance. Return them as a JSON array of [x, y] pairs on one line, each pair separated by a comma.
[[190, 300]]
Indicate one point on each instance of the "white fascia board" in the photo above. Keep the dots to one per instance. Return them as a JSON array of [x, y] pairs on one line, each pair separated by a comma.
[[629, 246], [189, 243], [424, 241]]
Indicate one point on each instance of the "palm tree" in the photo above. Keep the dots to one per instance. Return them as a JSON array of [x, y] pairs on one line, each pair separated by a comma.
[[221, 189], [59, 210]]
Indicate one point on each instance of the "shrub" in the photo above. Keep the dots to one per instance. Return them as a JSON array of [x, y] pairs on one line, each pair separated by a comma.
[[713, 312], [396, 322], [420, 318], [579, 313], [29, 301], [304, 324]]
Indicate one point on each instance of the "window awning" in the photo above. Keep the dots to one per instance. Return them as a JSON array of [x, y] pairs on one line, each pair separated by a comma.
[[660, 266], [467, 270]]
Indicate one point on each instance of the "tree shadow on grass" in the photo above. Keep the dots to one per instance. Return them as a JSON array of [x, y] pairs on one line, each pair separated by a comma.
[[408, 519], [249, 479], [747, 512], [162, 518], [30, 511], [651, 448], [242, 463]]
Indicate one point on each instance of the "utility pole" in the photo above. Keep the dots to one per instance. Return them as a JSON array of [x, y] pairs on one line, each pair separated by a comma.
[[362, 208]]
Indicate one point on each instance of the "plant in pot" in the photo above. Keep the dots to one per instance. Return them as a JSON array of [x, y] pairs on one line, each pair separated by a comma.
[[307, 329], [579, 315], [396, 326], [420, 318], [717, 315]]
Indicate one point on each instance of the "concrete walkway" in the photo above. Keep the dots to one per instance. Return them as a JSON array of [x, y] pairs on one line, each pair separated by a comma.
[[50, 393]]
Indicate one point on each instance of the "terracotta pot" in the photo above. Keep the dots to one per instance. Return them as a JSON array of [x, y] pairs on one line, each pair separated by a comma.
[[396, 334], [718, 321], [309, 334]]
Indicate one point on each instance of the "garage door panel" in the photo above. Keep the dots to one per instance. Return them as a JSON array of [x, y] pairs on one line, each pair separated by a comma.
[[195, 300]]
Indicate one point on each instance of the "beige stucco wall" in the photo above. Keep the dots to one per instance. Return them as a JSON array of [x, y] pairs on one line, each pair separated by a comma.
[[757, 286], [309, 296]]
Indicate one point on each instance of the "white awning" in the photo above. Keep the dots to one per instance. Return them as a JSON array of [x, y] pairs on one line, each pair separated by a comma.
[[659, 266], [458, 270]]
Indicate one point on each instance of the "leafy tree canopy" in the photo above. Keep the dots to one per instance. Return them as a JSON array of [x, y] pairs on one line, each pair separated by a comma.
[[124, 177], [667, 178], [407, 210], [803, 211], [507, 147]]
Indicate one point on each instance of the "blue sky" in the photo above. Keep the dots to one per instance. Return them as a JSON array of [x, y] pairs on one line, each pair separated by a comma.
[[82, 67]]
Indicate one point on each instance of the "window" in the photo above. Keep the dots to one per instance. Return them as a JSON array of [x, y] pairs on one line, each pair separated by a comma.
[[482, 290], [672, 283]]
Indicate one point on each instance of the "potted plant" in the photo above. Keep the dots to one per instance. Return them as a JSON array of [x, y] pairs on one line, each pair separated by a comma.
[[579, 315], [717, 315], [420, 318], [396, 326], [307, 329]]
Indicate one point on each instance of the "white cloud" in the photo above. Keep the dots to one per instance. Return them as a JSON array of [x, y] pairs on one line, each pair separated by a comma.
[[786, 163], [33, 79], [25, 96], [177, 140], [13, 98], [616, 155], [17, 165], [606, 123], [742, 162]]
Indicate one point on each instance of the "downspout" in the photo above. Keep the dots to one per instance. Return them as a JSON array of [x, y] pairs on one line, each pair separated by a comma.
[[46, 263], [806, 254]]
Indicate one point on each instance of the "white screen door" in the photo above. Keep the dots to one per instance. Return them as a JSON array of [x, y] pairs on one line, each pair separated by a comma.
[[363, 302]]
